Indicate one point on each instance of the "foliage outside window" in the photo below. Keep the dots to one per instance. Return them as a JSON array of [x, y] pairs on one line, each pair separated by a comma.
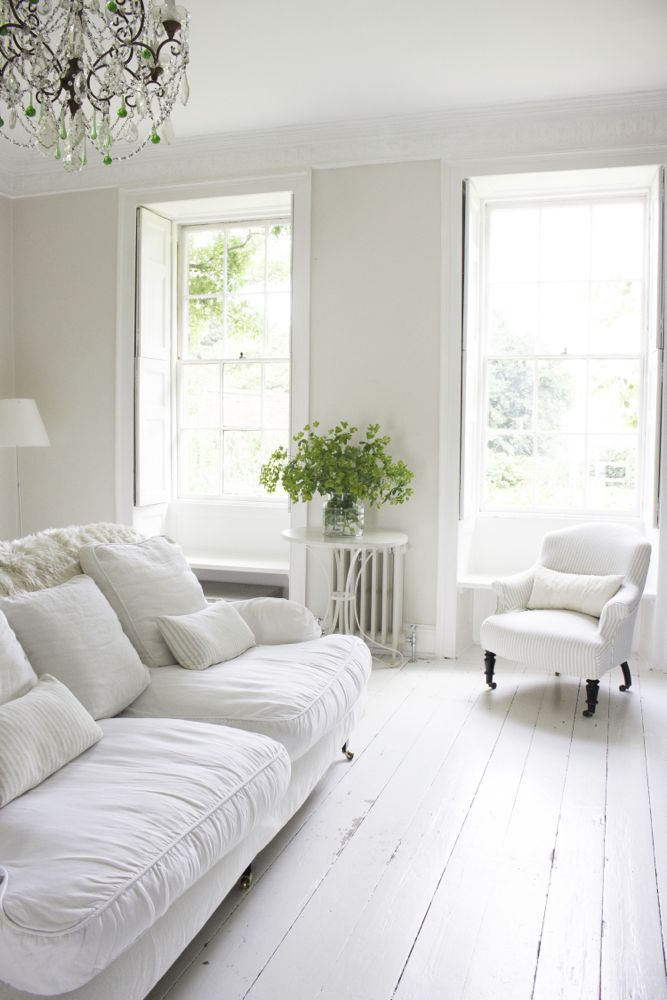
[[234, 355], [564, 321]]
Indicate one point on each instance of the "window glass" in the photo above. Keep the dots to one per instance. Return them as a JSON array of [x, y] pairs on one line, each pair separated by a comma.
[[564, 290], [234, 382]]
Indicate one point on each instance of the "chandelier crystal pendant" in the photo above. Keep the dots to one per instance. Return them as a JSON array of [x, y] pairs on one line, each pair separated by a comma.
[[104, 73]]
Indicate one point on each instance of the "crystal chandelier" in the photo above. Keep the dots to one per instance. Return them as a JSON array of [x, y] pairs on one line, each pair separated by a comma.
[[80, 73]]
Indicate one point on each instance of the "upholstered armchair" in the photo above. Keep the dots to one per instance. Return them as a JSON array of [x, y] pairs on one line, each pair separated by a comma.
[[531, 625]]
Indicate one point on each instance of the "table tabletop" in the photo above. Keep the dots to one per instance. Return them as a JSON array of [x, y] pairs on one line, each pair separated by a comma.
[[313, 537]]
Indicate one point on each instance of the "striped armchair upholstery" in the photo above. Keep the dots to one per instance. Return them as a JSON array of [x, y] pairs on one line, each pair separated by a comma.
[[568, 642]]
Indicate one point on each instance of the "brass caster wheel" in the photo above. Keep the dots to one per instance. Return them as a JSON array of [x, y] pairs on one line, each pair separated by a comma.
[[349, 754], [246, 879]]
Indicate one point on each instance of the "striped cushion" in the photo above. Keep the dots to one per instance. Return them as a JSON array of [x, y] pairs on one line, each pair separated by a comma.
[[16, 674], [202, 638], [40, 733]]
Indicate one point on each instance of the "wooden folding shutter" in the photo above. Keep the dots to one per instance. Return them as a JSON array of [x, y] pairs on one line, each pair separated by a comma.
[[153, 360]]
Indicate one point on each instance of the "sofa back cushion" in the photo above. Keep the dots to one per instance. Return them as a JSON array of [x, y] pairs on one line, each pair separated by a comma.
[[141, 581], [16, 674], [40, 733], [71, 632]]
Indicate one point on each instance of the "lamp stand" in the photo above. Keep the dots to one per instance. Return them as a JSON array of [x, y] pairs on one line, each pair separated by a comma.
[[18, 494]]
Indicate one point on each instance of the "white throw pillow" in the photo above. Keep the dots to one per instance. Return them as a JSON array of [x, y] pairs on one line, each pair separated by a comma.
[[71, 632], [40, 733], [210, 636], [572, 591], [142, 580], [16, 674], [274, 620]]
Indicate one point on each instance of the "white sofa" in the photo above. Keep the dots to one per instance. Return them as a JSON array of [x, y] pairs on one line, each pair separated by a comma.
[[112, 864]]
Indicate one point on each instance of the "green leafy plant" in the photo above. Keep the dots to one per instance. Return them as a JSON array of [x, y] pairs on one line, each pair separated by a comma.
[[337, 464]]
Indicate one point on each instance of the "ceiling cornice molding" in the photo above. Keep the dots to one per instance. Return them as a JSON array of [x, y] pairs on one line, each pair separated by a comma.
[[612, 122]]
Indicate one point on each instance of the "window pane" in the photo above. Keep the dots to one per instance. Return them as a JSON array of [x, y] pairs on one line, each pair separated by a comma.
[[511, 394], [612, 473], [276, 396], [513, 239], [561, 395], [279, 313], [614, 396], [512, 318], [242, 395], [509, 471], [205, 328], [245, 259], [242, 462], [560, 471], [279, 254], [206, 261], [616, 317], [245, 326], [564, 318], [200, 396], [618, 241], [200, 470], [565, 243]]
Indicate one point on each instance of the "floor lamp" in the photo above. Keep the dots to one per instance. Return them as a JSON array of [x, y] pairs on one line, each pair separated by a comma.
[[21, 427]]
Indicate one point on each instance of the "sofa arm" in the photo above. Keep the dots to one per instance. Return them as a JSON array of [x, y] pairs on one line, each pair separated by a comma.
[[513, 591], [275, 620], [621, 606]]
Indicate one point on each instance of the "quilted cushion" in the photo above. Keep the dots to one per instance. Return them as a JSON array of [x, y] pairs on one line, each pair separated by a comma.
[[98, 852]]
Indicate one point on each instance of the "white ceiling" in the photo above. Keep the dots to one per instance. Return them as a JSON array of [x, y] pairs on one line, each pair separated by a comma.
[[264, 63]]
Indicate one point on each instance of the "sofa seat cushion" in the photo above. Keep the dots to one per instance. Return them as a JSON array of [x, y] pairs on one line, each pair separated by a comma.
[[563, 641], [294, 693], [94, 855]]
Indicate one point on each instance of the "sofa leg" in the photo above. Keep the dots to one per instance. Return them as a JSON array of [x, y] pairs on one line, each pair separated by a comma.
[[489, 665], [592, 688], [246, 879], [627, 677], [347, 753]]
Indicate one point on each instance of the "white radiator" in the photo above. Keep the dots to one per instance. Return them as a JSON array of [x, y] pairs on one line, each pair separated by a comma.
[[367, 594]]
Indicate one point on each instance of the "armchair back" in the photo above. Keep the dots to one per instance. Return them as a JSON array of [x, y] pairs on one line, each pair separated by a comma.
[[599, 548]]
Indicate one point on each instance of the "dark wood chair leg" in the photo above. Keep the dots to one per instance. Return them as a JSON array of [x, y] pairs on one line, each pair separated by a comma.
[[627, 677], [489, 665], [592, 688]]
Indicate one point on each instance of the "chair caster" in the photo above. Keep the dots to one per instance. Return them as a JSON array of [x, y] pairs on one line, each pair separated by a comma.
[[489, 666], [246, 879], [587, 713], [347, 753], [492, 686]]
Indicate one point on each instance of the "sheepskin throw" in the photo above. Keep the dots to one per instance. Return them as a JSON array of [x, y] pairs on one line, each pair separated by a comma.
[[51, 557]]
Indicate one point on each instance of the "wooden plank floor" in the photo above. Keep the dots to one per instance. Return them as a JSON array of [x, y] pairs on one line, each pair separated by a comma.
[[480, 846]]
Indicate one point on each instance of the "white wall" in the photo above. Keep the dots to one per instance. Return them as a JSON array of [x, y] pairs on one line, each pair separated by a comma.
[[65, 315], [375, 322], [8, 513]]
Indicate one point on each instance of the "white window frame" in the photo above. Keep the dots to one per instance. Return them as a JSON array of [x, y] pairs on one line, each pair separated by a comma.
[[180, 362], [644, 431]]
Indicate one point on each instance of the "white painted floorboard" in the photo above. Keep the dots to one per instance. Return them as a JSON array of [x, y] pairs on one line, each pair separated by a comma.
[[480, 846]]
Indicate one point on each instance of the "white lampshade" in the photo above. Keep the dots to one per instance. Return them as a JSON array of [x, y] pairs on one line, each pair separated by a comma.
[[21, 425]]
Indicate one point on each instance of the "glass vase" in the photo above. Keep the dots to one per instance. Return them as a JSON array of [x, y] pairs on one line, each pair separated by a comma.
[[342, 517]]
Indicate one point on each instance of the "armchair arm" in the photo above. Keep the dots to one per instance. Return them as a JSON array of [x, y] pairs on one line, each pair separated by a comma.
[[513, 591], [274, 620], [621, 606]]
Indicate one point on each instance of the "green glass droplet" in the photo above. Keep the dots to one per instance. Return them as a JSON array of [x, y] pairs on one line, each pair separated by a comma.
[[155, 138], [122, 112], [112, 7], [147, 54], [107, 160], [4, 31], [2, 121], [30, 110]]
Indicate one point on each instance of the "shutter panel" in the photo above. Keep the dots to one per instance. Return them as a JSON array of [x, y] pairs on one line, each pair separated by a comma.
[[655, 358], [153, 360], [470, 347]]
